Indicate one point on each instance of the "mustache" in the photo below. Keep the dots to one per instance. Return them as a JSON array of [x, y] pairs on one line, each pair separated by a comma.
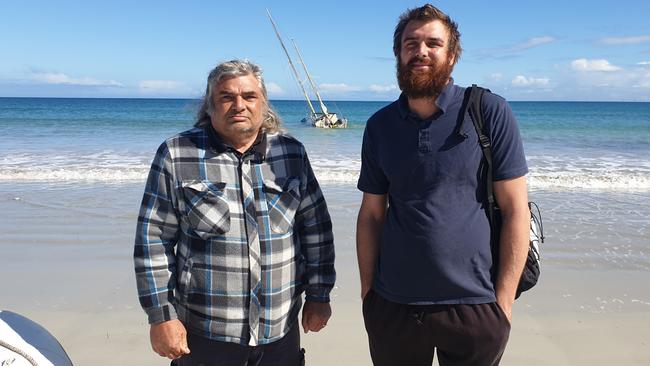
[[231, 115], [416, 60]]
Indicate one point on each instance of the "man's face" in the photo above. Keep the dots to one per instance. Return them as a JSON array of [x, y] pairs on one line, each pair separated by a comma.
[[239, 108], [425, 64]]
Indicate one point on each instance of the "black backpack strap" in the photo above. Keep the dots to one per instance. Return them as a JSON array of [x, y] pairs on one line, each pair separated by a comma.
[[460, 121], [472, 105]]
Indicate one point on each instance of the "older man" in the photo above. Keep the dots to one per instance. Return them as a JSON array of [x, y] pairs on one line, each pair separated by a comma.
[[428, 278], [233, 227]]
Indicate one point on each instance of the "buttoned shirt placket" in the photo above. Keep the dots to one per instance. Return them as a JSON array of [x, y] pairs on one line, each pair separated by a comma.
[[253, 241]]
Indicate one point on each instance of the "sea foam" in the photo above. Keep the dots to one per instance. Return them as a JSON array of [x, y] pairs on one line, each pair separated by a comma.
[[344, 172]]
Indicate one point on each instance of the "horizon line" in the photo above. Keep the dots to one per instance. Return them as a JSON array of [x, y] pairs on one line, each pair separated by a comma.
[[327, 100]]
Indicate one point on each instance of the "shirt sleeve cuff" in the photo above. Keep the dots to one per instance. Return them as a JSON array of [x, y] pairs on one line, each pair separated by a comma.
[[318, 294], [511, 174], [370, 189], [161, 314]]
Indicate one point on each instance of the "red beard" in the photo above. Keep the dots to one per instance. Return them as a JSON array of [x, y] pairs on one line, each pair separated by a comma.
[[428, 84]]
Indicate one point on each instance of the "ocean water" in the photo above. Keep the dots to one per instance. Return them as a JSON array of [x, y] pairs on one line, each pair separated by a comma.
[[569, 145], [589, 164]]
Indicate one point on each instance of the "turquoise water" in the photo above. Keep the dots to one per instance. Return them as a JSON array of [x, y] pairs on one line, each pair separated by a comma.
[[591, 125], [589, 162], [595, 146]]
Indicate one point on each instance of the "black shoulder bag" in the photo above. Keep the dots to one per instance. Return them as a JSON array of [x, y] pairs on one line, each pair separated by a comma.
[[530, 275]]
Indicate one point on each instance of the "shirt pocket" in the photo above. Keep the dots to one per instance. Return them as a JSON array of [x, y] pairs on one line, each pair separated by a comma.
[[206, 208], [282, 201]]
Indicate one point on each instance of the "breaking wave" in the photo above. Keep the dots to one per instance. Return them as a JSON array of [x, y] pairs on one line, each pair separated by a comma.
[[117, 168]]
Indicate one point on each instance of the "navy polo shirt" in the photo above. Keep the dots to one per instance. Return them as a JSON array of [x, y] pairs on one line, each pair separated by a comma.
[[435, 243]]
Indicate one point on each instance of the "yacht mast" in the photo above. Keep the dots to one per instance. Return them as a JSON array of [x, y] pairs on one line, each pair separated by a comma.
[[313, 85], [295, 72]]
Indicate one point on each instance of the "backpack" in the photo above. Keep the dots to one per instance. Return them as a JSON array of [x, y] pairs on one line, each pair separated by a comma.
[[531, 272]]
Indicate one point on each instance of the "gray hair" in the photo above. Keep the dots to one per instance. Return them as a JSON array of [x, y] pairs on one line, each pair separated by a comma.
[[232, 69]]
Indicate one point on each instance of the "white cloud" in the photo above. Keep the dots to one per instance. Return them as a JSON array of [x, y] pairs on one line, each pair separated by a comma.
[[497, 76], [162, 86], [626, 40], [339, 88], [583, 64], [274, 88], [644, 63], [342, 88], [512, 50], [382, 88], [522, 81], [533, 42], [631, 83], [60, 78]]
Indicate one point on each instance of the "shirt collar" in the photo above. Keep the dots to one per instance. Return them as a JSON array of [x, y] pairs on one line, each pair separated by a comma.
[[442, 102], [220, 146]]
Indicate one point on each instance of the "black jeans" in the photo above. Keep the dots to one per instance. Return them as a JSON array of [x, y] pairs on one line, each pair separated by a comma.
[[207, 352], [462, 335]]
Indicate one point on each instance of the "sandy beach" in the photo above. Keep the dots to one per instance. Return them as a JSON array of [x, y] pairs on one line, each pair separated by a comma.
[[90, 90], [66, 263]]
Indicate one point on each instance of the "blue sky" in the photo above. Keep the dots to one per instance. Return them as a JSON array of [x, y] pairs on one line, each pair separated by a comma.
[[542, 50]]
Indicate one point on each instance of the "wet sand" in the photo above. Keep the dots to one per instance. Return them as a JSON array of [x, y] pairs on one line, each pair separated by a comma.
[[66, 263]]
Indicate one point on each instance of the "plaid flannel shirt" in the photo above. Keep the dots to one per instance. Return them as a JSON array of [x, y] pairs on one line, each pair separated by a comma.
[[227, 242]]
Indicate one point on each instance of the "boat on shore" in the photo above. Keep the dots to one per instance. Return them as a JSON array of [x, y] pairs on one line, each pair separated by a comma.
[[322, 118]]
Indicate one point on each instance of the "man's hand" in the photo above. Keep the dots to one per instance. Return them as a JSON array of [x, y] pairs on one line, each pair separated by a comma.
[[315, 315], [506, 306], [364, 291], [169, 339]]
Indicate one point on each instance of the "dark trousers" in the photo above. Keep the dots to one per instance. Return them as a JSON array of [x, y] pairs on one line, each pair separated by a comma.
[[465, 335], [207, 352]]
